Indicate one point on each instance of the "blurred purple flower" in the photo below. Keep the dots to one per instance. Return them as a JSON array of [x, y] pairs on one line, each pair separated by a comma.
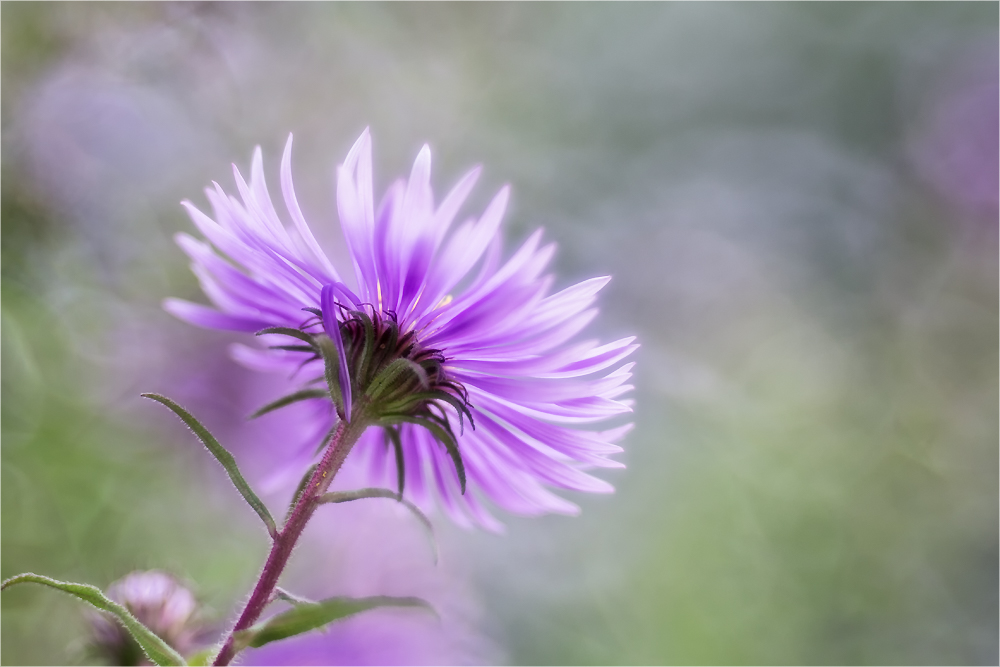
[[504, 339], [955, 147], [160, 602]]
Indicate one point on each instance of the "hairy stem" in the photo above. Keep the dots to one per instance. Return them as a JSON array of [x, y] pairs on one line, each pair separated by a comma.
[[340, 445]]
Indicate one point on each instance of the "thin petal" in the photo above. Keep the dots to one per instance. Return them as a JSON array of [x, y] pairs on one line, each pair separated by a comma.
[[292, 204], [209, 318]]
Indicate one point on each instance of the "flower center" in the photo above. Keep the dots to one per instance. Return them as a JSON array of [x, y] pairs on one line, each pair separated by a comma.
[[391, 373], [389, 379], [394, 379]]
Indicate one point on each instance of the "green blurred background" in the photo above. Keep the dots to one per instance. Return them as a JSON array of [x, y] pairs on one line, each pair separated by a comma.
[[798, 204]]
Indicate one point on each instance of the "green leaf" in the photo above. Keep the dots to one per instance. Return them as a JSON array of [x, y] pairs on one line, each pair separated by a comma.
[[348, 496], [304, 617], [155, 648], [224, 457], [301, 395]]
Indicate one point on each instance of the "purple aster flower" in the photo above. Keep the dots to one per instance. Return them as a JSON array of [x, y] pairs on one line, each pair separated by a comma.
[[436, 341]]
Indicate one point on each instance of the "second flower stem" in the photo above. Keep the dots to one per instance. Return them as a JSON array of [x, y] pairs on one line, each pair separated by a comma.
[[340, 445]]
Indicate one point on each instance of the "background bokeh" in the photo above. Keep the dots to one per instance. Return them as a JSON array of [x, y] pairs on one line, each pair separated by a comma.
[[798, 204]]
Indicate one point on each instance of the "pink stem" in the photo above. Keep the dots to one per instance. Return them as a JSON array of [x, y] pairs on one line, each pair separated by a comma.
[[340, 445]]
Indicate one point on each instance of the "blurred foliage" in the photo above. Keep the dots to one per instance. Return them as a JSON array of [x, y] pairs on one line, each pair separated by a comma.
[[830, 502], [87, 498], [813, 477]]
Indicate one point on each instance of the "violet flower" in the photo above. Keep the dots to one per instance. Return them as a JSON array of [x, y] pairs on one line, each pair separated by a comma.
[[954, 146], [476, 341]]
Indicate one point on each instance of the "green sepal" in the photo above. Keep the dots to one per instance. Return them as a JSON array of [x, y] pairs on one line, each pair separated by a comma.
[[404, 405], [331, 365], [461, 407], [392, 435], [155, 648], [224, 457], [294, 348], [388, 375], [294, 397], [289, 331], [368, 346], [441, 432], [386, 345], [347, 496], [304, 617]]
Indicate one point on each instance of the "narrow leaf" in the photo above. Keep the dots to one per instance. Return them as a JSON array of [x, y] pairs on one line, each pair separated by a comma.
[[224, 457], [295, 397], [155, 648], [347, 496], [305, 617]]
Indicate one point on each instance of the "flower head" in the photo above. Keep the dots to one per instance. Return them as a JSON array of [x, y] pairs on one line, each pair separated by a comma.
[[160, 602], [435, 330]]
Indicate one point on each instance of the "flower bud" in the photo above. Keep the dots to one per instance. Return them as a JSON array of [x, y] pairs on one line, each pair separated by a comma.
[[159, 602]]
